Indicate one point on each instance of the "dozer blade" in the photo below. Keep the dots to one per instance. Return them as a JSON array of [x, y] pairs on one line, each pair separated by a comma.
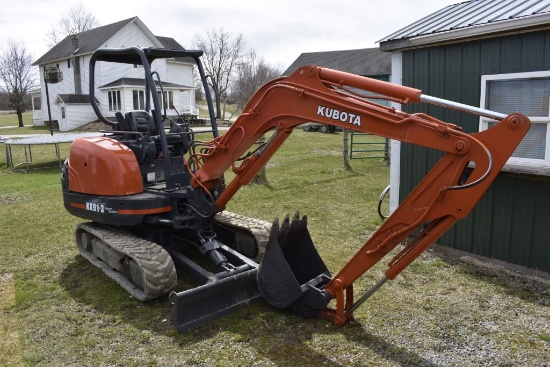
[[292, 272], [198, 306]]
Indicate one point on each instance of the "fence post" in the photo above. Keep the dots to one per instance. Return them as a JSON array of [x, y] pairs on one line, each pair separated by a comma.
[[347, 166]]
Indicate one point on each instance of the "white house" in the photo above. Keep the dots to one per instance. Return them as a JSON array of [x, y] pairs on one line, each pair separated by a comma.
[[119, 87]]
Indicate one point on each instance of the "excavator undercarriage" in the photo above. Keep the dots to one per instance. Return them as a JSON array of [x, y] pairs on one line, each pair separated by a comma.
[[143, 268], [155, 196]]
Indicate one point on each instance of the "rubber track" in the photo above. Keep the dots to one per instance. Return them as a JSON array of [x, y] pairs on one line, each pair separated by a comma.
[[258, 228], [158, 270]]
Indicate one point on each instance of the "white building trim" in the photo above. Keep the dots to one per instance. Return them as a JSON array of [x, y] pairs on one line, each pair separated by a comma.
[[395, 162]]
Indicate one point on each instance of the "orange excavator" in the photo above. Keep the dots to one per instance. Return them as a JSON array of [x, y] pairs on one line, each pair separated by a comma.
[[154, 196]]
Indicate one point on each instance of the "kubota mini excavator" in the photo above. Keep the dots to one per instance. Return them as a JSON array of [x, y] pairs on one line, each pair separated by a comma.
[[151, 195]]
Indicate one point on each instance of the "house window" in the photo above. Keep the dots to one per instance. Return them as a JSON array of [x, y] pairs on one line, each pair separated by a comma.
[[62, 112], [139, 99], [167, 101], [528, 93], [114, 100]]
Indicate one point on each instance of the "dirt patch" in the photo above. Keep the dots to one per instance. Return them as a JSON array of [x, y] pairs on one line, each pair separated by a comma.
[[92, 127], [10, 199], [6, 278]]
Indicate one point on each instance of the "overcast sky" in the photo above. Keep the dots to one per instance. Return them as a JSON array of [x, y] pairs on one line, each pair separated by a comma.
[[279, 31]]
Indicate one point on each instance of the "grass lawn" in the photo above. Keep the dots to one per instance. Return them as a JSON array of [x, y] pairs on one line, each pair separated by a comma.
[[9, 125], [57, 310]]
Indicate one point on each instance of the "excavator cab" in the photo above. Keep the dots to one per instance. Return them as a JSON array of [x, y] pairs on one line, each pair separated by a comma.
[[143, 130]]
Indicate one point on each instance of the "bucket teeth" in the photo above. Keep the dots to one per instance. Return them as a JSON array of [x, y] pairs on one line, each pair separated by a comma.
[[285, 227], [296, 218], [274, 234], [298, 224], [291, 230]]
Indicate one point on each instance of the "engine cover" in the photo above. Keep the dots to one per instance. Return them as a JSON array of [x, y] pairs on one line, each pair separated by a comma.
[[103, 166]]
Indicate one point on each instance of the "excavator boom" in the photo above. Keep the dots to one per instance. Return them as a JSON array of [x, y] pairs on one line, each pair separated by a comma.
[[469, 164]]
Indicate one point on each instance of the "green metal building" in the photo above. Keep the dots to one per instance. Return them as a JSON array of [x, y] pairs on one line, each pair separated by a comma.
[[494, 54]]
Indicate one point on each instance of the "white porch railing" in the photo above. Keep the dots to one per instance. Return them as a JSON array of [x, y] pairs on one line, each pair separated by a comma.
[[188, 110]]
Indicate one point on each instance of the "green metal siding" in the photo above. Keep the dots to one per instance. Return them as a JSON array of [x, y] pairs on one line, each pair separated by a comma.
[[512, 221]]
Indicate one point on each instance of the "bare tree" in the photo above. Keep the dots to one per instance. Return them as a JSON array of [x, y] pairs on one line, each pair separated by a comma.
[[4, 98], [251, 74], [17, 76], [222, 50], [75, 20]]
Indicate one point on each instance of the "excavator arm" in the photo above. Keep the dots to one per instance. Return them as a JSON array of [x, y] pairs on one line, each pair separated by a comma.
[[469, 164]]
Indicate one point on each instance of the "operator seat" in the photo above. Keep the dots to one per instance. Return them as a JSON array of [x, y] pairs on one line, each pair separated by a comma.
[[121, 125], [149, 147], [142, 145], [178, 141], [142, 122]]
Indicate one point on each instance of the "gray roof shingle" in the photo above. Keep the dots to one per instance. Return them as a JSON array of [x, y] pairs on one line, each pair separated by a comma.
[[74, 98], [91, 40], [172, 44], [365, 61], [88, 41]]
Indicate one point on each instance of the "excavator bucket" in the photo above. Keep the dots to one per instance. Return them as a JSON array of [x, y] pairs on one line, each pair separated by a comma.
[[291, 268]]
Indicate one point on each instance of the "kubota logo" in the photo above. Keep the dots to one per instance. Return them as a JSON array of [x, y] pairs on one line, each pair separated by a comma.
[[338, 115]]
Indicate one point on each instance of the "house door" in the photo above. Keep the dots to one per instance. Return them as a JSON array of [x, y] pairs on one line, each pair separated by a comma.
[[62, 113]]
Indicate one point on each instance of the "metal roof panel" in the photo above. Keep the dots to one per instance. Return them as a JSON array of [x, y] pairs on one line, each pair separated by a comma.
[[470, 14]]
